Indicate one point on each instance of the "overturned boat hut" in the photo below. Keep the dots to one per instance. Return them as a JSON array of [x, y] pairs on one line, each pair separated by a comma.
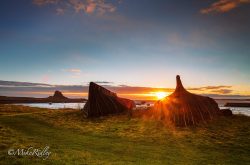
[[183, 108], [102, 102]]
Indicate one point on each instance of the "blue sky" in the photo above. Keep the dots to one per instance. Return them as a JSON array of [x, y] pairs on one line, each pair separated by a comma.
[[136, 43]]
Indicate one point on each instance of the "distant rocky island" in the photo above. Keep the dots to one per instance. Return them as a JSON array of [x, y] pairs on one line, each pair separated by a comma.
[[237, 105], [58, 97]]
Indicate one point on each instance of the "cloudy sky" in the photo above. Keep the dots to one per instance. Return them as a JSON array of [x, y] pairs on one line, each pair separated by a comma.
[[133, 47]]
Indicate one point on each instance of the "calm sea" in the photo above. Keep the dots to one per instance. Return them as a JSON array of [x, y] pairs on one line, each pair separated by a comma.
[[56, 105], [236, 110]]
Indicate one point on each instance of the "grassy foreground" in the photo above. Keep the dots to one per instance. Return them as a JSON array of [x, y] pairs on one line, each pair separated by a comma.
[[119, 140]]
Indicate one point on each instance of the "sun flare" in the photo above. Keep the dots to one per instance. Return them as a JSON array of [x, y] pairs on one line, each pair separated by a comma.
[[160, 95]]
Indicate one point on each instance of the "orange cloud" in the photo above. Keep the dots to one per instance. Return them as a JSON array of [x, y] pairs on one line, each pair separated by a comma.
[[12, 88], [222, 6], [87, 6], [207, 88], [90, 8], [222, 91]]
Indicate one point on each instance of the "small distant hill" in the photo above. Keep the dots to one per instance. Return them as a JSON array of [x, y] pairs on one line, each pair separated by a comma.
[[237, 105], [58, 97]]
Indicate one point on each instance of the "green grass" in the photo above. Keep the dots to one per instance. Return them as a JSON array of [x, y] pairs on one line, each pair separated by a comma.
[[119, 140]]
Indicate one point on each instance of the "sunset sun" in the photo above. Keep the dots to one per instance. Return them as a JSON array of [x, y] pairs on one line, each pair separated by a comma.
[[160, 95]]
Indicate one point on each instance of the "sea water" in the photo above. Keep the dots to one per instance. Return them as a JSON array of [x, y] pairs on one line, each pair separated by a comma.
[[235, 110], [55, 105]]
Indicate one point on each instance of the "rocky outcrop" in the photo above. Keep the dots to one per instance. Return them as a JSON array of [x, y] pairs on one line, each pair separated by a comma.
[[226, 112], [102, 102], [57, 96], [183, 108]]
